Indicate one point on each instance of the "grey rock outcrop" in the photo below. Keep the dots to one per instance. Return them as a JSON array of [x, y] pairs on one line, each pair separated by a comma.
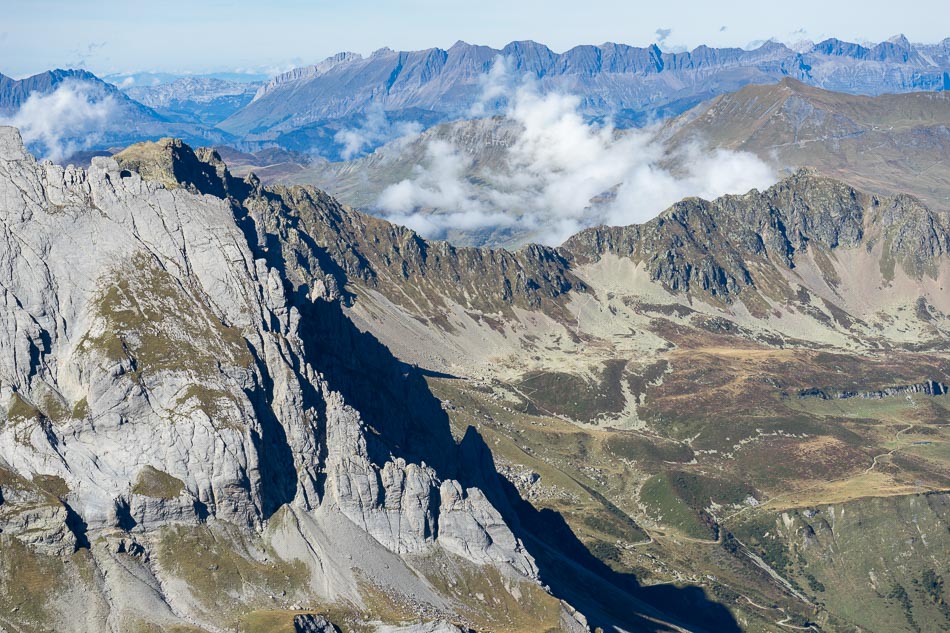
[[406, 507], [572, 620], [472, 528], [313, 624], [927, 388], [154, 367], [394, 503]]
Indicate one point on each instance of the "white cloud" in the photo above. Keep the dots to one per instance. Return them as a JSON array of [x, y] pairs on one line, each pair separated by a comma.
[[373, 131], [63, 122], [562, 174], [441, 185], [495, 86]]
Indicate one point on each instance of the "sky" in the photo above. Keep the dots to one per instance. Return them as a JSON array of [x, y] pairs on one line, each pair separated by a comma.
[[188, 36]]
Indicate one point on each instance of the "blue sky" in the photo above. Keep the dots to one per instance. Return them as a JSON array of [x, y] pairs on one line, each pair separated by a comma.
[[210, 35]]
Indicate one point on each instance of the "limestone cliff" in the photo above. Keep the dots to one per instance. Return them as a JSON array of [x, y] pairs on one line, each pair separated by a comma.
[[161, 371]]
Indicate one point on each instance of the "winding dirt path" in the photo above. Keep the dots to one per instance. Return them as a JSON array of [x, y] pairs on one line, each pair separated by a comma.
[[890, 452]]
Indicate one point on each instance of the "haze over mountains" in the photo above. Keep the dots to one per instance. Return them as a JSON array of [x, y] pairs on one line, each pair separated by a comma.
[[207, 100]]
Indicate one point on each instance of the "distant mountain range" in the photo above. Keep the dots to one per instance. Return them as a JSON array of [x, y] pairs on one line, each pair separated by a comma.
[[318, 109], [632, 85], [143, 79], [200, 100]]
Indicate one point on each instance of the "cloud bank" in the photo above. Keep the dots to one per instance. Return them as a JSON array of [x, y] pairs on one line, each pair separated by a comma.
[[63, 122], [561, 175], [374, 130]]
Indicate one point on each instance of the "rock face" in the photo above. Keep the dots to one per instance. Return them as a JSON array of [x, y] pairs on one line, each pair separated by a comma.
[[723, 248], [405, 506], [313, 624], [929, 388], [162, 364]]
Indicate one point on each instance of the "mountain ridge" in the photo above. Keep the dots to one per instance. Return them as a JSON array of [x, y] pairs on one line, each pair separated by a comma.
[[887, 143], [444, 79], [315, 108], [285, 475], [714, 244]]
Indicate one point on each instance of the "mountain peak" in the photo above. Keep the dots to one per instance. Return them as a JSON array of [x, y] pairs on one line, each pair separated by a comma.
[[11, 145], [772, 46], [794, 84], [900, 40], [896, 49], [834, 46], [522, 46], [340, 58], [173, 163]]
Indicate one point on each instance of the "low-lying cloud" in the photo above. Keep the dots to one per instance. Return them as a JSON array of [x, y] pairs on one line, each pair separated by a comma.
[[374, 130], [63, 122], [561, 175]]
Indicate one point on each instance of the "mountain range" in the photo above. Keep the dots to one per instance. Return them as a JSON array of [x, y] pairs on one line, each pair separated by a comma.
[[680, 364], [247, 406], [314, 109], [630, 84], [199, 100]]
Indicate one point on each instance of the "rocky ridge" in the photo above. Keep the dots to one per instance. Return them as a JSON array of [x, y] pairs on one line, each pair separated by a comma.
[[929, 388], [160, 370], [714, 247], [888, 144], [718, 249]]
